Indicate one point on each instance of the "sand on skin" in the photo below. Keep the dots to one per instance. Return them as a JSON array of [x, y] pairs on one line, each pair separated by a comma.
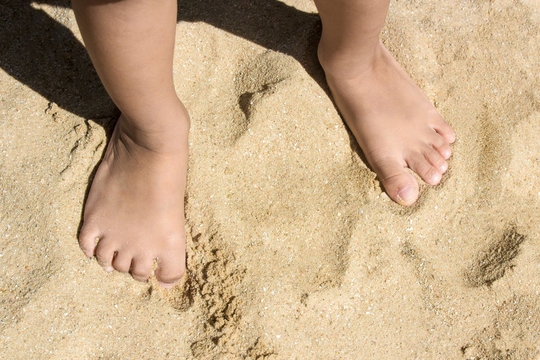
[[294, 252]]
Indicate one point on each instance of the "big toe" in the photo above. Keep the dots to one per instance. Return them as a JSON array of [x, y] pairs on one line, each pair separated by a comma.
[[399, 184]]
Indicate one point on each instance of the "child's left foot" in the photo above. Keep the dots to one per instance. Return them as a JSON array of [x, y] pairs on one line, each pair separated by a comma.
[[394, 123]]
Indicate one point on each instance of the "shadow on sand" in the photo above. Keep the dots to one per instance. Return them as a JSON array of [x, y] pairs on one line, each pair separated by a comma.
[[45, 55]]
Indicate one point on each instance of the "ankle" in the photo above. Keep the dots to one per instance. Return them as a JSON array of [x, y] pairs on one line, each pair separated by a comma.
[[346, 62], [165, 131], [156, 115]]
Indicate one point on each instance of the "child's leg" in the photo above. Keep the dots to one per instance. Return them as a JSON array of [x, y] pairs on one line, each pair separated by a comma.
[[394, 123], [136, 202]]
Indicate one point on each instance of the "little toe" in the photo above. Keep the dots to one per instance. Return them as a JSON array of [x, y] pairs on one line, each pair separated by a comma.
[[170, 270], [436, 159], [105, 253], [398, 183], [420, 165], [141, 267], [88, 237], [122, 261]]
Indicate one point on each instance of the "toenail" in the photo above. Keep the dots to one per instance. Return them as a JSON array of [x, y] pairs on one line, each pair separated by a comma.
[[166, 285], [406, 195], [109, 269]]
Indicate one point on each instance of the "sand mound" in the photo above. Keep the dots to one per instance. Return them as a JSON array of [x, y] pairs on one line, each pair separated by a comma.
[[294, 252]]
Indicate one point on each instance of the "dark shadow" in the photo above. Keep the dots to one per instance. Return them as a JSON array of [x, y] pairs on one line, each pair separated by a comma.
[[44, 55], [269, 23]]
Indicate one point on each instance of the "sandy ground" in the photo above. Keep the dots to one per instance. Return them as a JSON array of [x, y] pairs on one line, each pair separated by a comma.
[[294, 252]]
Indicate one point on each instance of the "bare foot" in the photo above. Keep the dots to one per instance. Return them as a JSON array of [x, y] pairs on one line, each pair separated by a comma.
[[394, 123], [136, 202]]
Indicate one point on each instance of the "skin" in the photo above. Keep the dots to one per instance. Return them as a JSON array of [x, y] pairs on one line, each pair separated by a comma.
[[394, 123], [135, 208]]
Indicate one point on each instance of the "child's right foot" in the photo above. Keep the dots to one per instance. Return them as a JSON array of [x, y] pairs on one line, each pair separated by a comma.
[[135, 208]]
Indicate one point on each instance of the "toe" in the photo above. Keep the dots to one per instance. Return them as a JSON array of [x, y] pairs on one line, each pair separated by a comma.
[[444, 149], [445, 130], [440, 143], [398, 183], [122, 261], [436, 159], [420, 165], [141, 267], [87, 239], [105, 253], [171, 268]]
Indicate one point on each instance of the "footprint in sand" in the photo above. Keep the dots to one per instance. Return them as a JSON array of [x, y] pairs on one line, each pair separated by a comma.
[[303, 203], [492, 263], [256, 79]]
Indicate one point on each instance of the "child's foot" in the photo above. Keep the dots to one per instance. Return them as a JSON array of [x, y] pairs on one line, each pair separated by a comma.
[[394, 123], [135, 208]]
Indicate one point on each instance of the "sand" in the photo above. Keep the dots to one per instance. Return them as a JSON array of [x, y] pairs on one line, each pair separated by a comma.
[[294, 251]]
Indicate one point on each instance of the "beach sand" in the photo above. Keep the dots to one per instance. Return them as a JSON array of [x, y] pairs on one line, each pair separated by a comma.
[[294, 251]]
